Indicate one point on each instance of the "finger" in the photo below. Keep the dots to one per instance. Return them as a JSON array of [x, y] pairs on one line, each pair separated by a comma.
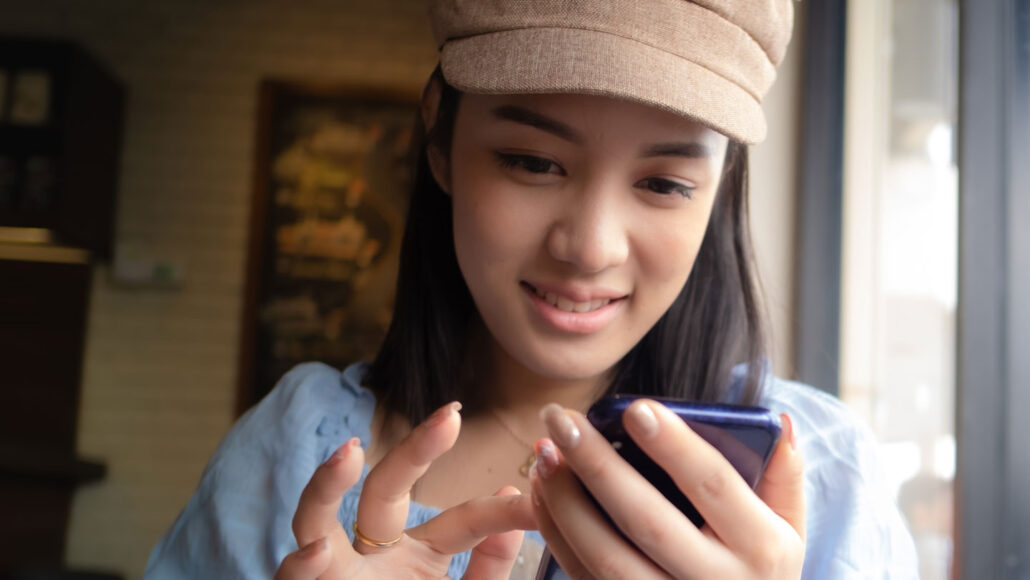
[[308, 563], [494, 557], [647, 518], [383, 507], [731, 509], [782, 485], [316, 515], [557, 547], [593, 540], [463, 526]]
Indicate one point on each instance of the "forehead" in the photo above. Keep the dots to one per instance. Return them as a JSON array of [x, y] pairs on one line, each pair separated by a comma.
[[593, 116]]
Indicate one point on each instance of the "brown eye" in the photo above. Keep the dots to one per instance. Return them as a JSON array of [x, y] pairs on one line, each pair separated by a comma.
[[528, 163], [666, 187]]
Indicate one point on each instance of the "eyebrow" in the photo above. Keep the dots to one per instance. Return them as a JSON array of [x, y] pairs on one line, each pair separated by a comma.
[[542, 122], [688, 150], [521, 115]]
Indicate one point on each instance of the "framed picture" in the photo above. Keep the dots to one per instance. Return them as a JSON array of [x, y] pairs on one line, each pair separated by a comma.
[[30, 98], [39, 184], [330, 190]]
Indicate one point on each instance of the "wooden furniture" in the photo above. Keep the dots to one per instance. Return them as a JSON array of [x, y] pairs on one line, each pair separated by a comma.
[[60, 135]]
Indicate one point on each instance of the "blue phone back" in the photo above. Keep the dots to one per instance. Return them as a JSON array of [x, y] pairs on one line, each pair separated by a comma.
[[746, 436]]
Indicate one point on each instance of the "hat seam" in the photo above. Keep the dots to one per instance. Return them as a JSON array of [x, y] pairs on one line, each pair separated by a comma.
[[755, 40], [750, 94]]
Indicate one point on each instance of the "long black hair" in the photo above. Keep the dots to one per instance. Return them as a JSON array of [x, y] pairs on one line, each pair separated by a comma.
[[714, 324]]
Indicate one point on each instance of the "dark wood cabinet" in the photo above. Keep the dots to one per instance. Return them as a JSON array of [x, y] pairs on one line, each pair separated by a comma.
[[61, 120], [42, 330], [60, 137]]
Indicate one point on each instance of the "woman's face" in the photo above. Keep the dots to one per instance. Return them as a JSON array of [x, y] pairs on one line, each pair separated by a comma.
[[576, 221]]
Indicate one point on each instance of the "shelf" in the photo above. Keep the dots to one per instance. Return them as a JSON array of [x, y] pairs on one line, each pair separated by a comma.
[[43, 466]]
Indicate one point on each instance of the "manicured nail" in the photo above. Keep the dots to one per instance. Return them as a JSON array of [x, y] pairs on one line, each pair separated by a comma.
[[341, 453], [546, 458], [788, 431], [443, 413], [313, 549], [560, 426], [643, 418]]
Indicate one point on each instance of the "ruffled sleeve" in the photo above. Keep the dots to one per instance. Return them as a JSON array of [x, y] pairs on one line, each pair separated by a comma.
[[237, 524]]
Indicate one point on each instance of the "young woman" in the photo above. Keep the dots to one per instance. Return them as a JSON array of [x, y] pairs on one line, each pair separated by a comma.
[[578, 226]]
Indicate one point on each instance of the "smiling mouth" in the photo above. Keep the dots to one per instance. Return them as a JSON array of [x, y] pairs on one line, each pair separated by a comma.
[[564, 304]]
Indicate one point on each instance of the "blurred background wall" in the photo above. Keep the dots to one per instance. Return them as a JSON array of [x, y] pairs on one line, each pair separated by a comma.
[[159, 387]]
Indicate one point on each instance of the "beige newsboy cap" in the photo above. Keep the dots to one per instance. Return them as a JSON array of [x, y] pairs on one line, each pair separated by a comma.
[[711, 60]]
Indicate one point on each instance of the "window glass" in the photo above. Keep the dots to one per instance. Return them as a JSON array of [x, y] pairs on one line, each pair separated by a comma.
[[900, 253]]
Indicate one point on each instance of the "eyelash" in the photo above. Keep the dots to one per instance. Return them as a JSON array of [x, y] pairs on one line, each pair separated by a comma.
[[526, 163], [669, 187], [540, 165]]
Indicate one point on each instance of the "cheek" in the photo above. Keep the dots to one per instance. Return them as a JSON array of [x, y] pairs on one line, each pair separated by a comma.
[[494, 230], [667, 254]]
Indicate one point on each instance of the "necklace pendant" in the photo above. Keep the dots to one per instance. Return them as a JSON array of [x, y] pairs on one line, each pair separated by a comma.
[[527, 465]]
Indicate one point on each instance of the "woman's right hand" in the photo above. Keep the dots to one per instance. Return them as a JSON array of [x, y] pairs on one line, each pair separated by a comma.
[[489, 526]]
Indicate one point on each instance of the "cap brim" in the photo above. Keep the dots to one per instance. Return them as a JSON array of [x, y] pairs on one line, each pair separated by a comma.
[[562, 60]]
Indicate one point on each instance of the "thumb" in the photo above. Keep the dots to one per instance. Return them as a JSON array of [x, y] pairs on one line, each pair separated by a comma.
[[782, 485]]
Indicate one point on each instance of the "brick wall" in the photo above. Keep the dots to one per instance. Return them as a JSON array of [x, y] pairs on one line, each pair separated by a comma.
[[159, 382]]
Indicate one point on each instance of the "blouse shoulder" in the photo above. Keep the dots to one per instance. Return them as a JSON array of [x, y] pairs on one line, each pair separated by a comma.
[[853, 525], [237, 524]]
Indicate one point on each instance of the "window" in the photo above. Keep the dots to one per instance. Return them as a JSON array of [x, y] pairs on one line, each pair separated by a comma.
[[900, 253]]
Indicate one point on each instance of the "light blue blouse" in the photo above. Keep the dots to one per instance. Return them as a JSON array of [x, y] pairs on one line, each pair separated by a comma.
[[237, 524]]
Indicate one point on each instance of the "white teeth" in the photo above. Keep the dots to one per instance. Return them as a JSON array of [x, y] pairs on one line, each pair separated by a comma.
[[565, 304], [562, 303]]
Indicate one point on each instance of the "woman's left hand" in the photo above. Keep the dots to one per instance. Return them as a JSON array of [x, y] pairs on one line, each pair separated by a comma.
[[747, 534]]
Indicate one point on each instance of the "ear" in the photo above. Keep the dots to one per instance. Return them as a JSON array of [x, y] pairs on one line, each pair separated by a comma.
[[430, 106], [439, 167]]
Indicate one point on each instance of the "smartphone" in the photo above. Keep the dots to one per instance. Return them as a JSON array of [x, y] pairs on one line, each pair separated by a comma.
[[746, 436]]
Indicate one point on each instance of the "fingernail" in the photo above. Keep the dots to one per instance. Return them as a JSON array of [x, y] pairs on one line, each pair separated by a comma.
[[788, 428], [341, 453], [443, 413], [643, 418], [562, 429], [546, 458], [313, 549]]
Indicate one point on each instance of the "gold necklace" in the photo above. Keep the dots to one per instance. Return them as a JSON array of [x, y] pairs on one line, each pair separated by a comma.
[[528, 463]]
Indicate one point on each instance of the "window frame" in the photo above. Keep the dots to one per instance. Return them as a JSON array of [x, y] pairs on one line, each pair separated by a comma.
[[993, 333], [993, 363], [821, 196]]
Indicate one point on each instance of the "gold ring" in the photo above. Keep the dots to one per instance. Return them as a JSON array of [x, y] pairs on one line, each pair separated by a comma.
[[370, 542]]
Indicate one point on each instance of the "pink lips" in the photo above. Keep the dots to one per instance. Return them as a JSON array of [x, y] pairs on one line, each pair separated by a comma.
[[575, 322]]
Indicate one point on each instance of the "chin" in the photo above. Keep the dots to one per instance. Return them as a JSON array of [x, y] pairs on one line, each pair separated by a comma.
[[570, 363]]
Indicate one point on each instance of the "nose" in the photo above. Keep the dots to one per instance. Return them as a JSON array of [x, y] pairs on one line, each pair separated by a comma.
[[590, 234]]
